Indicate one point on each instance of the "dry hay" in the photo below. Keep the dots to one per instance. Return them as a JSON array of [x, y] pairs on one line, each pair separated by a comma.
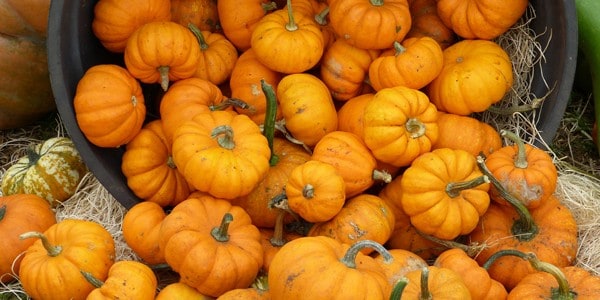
[[577, 190]]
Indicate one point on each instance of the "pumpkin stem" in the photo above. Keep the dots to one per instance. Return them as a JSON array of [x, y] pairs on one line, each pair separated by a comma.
[[261, 283], [280, 202], [291, 25], [398, 288], [221, 233], [199, 36], [32, 156], [164, 77], [52, 250], [267, 7], [2, 212], [524, 229], [376, 2], [535, 103], [521, 157], [349, 258], [92, 279], [171, 162], [453, 189], [235, 102], [321, 18], [471, 249], [224, 136], [308, 191], [562, 293], [415, 128], [382, 175], [280, 126], [270, 116], [399, 48], [277, 239], [425, 293]]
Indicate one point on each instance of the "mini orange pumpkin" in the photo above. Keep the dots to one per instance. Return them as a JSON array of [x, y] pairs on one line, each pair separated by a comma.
[[149, 54], [127, 279], [482, 66], [427, 22], [141, 227], [414, 64], [316, 191], [180, 291], [400, 124], [109, 105], [239, 18], [466, 133], [148, 165], [218, 56], [351, 113], [370, 24], [202, 13], [278, 37]]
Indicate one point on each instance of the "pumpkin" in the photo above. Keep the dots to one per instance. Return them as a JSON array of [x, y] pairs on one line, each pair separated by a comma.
[[149, 56], [444, 193], [218, 56], [350, 114], [400, 124], [201, 13], [259, 290], [370, 24], [141, 227], [272, 239], [352, 159], [109, 105], [549, 231], [180, 291], [427, 22], [239, 18], [482, 66], [126, 279], [551, 282], [25, 91], [405, 236], [115, 21], [466, 133], [403, 262], [278, 37], [245, 85], [475, 277], [212, 245], [148, 166], [363, 217], [20, 213], [307, 107], [51, 169], [480, 19], [297, 264], [185, 99], [228, 149], [525, 171], [414, 64], [315, 191], [435, 283], [344, 69], [55, 260]]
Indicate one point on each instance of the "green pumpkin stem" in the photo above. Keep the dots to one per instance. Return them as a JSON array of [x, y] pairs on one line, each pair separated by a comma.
[[562, 293], [382, 175], [2, 212], [224, 136], [376, 2], [535, 104], [425, 293], [521, 157], [261, 283], [221, 233], [268, 7], [349, 258], [453, 189], [415, 128], [398, 288], [399, 49], [524, 229], [321, 17], [308, 191], [270, 118], [199, 36], [291, 25], [52, 250], [92, 279]]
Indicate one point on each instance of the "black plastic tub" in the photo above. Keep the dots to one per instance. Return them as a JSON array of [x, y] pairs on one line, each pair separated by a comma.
[[72, 49]]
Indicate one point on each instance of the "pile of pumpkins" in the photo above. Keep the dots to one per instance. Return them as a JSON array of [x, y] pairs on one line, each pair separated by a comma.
[[308, 149]]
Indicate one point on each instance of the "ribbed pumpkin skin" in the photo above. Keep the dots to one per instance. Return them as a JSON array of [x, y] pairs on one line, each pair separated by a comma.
[[53, 176], [25, 92], [127, 279], [109, 105], [19, 214]]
